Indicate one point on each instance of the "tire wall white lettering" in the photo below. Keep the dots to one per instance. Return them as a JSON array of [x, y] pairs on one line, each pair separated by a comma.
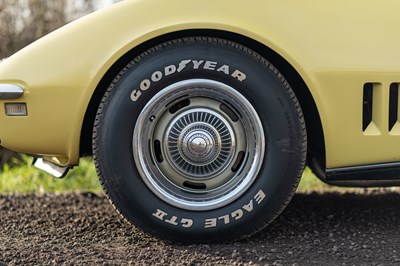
[[228, 218], [135, 95], [238, 214], [239, 75], [172, 219], [169, 70], [157, 76], [145, 85]]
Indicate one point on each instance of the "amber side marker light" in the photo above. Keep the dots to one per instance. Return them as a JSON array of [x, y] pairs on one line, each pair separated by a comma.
[[16, 109]]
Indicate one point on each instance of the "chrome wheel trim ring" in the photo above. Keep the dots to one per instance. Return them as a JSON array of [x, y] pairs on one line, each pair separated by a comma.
[[173, 165]]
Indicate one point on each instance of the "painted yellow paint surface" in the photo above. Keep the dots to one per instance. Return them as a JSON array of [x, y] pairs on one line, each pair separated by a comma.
[[336, 46]]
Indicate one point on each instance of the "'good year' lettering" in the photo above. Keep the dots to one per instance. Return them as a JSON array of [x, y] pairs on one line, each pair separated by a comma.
[[194, 64]]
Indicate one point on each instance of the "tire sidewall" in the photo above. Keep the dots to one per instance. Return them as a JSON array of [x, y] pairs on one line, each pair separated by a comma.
[[264, 88]]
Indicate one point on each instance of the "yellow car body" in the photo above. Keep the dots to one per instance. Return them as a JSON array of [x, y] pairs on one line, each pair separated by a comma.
[[341, 59]]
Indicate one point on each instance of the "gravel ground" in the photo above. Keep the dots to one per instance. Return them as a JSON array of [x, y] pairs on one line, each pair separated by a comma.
[[75, 229]]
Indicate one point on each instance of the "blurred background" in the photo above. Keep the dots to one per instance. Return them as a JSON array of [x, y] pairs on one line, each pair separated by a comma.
[[24, 21]]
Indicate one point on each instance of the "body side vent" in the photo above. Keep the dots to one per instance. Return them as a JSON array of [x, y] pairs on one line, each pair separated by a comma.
[[367, 105], [374, 113], [394, 123]]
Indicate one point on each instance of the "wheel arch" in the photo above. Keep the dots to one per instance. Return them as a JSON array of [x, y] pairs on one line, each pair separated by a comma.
[[316, 145]]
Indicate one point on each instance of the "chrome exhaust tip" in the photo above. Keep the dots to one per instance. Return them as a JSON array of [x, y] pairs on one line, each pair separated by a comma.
[[51, 168]]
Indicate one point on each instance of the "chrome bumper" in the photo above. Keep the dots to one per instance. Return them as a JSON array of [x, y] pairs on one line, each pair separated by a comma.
[[10, 91]]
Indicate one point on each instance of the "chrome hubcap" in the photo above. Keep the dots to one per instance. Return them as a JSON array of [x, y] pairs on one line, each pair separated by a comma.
[[198, 144]]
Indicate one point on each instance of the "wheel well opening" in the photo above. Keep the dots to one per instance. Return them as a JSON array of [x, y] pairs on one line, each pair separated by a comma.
[[316, 145]]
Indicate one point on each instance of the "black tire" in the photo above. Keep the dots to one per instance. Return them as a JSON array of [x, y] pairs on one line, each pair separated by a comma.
[[199, 140]]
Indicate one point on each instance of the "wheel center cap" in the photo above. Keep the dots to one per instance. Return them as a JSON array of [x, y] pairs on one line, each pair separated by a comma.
[[198, 146]]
